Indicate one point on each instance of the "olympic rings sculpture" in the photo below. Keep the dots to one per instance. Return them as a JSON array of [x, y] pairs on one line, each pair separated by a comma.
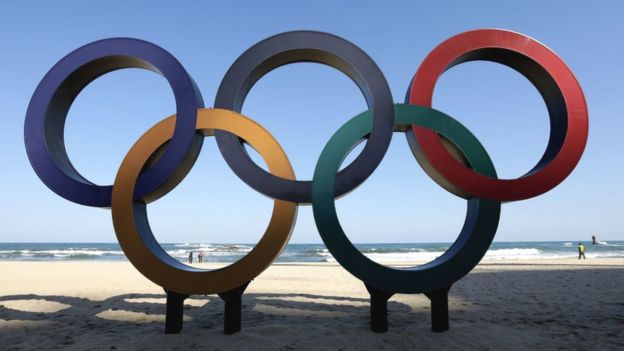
[[446, 150]]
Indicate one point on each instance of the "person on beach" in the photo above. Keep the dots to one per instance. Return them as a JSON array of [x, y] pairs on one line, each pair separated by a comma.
[[594, 240], [200, 257], [581, 249], [191, 257]]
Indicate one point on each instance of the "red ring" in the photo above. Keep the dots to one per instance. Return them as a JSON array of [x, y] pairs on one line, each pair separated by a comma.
[[542, 178]]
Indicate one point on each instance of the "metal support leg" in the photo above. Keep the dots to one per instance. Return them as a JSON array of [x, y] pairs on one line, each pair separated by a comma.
[[175, 312], [233, 305], [439, 309], [378, 308]]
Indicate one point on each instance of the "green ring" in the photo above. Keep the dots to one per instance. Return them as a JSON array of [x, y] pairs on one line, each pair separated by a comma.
[[465, 253]]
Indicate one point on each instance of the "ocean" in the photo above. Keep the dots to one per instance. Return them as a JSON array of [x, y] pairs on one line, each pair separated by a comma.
[[305, 252]]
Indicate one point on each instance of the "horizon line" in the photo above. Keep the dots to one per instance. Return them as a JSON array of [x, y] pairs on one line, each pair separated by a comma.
[[300, 243]]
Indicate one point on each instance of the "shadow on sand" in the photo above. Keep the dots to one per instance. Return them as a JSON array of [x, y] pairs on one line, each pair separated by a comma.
[[532, 309]]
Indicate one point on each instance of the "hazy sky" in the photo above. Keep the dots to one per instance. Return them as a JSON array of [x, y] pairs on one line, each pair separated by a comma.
[[302, 105]]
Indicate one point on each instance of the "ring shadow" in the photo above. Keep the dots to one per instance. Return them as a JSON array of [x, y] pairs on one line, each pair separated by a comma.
[[551, 304]]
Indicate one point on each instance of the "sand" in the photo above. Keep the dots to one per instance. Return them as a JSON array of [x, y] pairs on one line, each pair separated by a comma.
[[504, 305]]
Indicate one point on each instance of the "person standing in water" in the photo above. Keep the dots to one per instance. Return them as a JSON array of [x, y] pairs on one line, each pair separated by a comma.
[[594, 240], [581, 250], [191, 257]]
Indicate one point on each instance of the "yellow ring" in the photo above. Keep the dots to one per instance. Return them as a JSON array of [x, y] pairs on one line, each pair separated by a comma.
[[149, 258]]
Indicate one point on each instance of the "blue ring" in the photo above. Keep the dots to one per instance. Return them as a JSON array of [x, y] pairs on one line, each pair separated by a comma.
[[50, 103]]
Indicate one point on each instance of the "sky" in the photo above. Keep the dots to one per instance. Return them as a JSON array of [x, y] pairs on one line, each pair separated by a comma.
[[302, 105]]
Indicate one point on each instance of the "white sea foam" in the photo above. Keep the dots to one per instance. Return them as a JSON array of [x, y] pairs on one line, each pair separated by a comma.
[[384, 253], [607, 244], [62, 253], [209, 250], [493, 254], [75, 252], [193, 246], [514, 253], [404, 256]]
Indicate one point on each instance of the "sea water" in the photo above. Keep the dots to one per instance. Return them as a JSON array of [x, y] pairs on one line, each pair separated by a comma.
[[306, 252]]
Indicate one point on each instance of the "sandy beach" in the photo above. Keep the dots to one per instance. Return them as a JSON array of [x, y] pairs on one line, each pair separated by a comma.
[[562, 304]]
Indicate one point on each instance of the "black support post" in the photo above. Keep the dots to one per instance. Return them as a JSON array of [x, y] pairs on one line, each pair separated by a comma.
[[233, 305], [175, 312], [439, 309], [378, 308]]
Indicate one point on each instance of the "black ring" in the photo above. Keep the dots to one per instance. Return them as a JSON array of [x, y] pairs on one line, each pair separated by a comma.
[[305, 46]]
